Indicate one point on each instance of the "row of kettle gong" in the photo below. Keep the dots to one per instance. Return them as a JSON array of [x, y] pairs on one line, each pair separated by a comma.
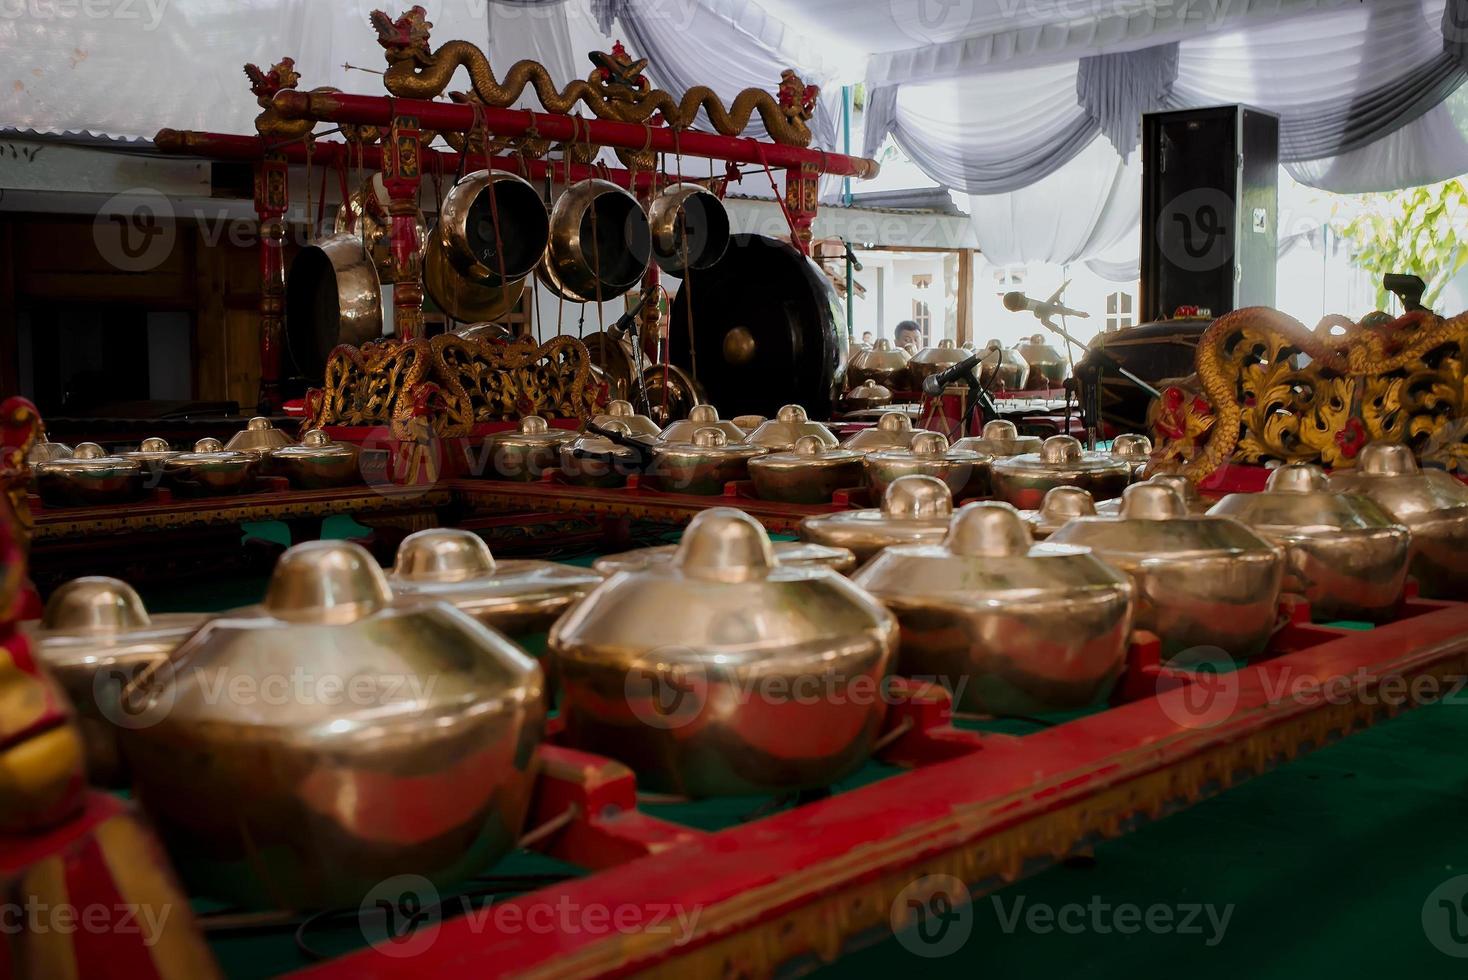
[[357, 725], [89, 475], [792, 459], [1031, 365]]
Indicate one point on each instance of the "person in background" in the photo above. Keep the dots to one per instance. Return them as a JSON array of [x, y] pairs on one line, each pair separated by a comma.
[[866, 337], [907, 333]]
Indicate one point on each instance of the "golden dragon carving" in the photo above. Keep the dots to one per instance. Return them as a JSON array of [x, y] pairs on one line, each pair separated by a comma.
[[615, 90], [265, 84], [451, 383], [1269, 388]]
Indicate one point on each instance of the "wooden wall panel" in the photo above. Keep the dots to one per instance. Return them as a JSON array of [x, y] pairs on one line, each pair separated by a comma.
[[218, 284]]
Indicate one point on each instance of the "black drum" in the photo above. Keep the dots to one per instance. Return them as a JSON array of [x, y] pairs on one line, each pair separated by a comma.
[[1153, 352], [764, 329]]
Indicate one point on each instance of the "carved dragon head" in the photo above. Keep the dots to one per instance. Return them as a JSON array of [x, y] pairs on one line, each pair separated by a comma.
[[1179, 420], [619, 73], [797, 98], [404, 39], [264, 85]]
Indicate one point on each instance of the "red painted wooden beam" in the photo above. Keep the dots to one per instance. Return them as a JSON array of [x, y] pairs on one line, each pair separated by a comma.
[[376, 110], [231, 146]]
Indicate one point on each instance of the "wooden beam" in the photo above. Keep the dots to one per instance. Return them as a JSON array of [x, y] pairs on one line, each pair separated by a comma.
[[965, 294]]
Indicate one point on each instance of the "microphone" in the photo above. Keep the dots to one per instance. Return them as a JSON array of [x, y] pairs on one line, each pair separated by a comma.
[[1019, 303], [934, 384], [625, 321]]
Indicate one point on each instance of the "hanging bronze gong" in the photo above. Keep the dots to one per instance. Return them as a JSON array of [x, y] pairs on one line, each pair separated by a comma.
[[462, 297], [599, 243], [333, 296], [764, 330]]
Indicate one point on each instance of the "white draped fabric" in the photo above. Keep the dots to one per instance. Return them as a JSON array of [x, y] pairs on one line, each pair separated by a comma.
[[1080, 211], [1360, 90], [1000, 100], [976, 134]]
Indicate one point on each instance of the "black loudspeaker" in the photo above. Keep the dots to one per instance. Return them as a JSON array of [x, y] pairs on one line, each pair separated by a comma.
[[1210, 210]]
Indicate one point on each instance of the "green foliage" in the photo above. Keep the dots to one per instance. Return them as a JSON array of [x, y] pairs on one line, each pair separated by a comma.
[[1420, 231]]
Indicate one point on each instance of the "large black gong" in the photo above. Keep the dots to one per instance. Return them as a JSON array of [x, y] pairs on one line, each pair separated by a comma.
[[764, 330], [1153, 352]]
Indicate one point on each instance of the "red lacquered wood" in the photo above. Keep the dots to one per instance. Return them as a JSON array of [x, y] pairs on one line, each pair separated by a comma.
[[377, 110], [328, 153], [606, 829]]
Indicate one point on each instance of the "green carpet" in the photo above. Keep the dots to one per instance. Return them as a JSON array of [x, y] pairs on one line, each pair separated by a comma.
[[1327, 864]]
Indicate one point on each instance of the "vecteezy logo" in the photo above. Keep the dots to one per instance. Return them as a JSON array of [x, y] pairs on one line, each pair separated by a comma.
[[666, 695], [930, 21], [1211, 692], [1195, 230], [400, 917], [134, 231], [933, 916], [134, 696], [1445, 917]]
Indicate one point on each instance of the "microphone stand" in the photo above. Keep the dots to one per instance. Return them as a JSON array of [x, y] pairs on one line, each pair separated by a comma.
[[626, 326], [980, 400]]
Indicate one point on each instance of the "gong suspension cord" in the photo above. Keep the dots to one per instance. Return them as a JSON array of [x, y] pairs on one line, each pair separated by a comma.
[[687, 272], [601, 337], [664, 349], [321, 204], [494, 208], [346, 193], [688, 289], [779, 198], [310, 153]]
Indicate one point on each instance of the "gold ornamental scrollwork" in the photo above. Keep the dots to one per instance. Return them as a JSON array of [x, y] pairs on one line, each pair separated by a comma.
[[615, 89], [451, 383], [1268, 388]]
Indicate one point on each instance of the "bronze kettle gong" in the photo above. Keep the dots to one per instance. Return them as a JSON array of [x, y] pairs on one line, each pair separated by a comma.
[[690, 229], [599, 243]]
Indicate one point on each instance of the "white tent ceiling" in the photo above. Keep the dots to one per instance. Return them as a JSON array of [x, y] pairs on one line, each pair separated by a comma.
[[988, 95]]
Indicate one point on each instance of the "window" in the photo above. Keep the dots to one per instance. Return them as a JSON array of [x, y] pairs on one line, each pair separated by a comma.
[[922, 317], [1118, 311], [922, 281], [1009, 279]]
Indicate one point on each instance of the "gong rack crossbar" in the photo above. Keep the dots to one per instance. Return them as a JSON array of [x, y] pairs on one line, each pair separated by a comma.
[[332, 153], [786, 892], [381, 110]]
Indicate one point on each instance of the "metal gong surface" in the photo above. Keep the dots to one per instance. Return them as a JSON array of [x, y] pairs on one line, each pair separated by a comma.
[[764, 329]]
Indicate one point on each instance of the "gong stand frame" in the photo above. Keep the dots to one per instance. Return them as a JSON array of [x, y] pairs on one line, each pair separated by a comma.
[[406, 119], [272, 160], [401, 159]]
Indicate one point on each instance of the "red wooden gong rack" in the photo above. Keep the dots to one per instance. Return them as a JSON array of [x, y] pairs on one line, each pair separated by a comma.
[[403, 160]]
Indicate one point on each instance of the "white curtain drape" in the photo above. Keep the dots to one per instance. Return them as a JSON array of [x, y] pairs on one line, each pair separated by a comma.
[[728, 45], [1360, 89], [1084, 209], [984, 133], [1052, 32], [539, 31]]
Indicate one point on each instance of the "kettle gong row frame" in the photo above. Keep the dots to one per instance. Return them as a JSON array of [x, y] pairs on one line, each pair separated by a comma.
[[786, 892]]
